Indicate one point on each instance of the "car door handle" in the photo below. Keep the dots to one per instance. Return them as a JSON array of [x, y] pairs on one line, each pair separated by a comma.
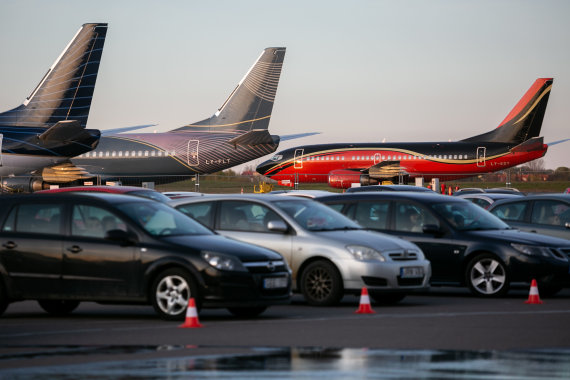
[[9, 245], [74, 249]]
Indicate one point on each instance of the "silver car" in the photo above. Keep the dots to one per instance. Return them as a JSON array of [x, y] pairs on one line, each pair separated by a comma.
[[329, 254]]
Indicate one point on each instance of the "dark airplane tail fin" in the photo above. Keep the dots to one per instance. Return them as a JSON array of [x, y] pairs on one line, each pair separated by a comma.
[[249, 106], [525, 119], [66, 90]]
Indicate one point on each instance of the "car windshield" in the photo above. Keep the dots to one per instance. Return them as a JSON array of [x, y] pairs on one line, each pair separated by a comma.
[[315, 216], [466, 216], [159, 219]]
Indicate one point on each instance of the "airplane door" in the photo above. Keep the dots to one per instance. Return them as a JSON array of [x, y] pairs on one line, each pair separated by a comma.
[[377, 158], [298, 159], [193, 159], [481, 156]]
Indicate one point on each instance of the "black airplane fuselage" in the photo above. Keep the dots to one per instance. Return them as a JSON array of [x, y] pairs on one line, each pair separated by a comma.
[[172, 153]]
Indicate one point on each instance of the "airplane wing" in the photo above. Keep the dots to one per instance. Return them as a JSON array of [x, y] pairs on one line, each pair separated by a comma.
[[115, 131], [297, 136], [557, 142]]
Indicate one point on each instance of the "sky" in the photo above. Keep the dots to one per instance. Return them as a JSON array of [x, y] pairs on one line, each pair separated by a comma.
[[355, 71]]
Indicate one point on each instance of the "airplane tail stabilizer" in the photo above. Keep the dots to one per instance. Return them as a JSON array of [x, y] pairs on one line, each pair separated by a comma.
[[249, 106], [525, 119], [66, 90]]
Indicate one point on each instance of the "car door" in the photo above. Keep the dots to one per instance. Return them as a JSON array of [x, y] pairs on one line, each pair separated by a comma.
[[94, 266], [247, 221], [550, 217], [31, 248], [440, 246]]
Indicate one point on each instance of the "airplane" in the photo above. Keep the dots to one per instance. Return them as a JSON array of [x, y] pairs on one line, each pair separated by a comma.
[[515, 141], [236, 133], [49, 127]]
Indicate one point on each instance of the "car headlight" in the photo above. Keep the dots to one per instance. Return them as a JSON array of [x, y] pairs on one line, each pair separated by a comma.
[[223, 262], [362, 253], [531, 250]]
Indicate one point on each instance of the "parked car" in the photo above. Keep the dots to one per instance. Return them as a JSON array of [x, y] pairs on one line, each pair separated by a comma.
[[61, 249], [302, 193], [357, 189], [129, 190], [465, 244], [181, 194], [486, 199], [494, 190], [329, 254], [547, 214]]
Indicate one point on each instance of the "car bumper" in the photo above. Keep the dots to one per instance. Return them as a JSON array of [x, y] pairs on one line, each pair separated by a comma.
[[524, 269], [383, 276], [244, 290]]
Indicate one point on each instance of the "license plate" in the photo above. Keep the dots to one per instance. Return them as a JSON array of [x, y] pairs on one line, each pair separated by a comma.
[[275, 282], [411, 272]]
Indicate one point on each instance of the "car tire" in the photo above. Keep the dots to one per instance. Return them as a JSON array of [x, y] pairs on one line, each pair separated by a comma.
[[3, 298], [321, 284], [487, 276], [247, 312], [387, 298], [58, 307], [170, 293]]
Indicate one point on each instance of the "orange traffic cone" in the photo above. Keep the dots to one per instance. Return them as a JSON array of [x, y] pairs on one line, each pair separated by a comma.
[[533, 297], [191, 315], [364, 307]]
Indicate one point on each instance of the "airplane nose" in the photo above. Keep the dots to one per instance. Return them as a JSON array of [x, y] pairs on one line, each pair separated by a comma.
[[263, 167]]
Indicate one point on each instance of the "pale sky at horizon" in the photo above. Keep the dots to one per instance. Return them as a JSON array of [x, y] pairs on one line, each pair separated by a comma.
[[356, 71]]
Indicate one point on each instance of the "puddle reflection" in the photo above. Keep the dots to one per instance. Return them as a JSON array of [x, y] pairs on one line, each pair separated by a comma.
[[320, 363]]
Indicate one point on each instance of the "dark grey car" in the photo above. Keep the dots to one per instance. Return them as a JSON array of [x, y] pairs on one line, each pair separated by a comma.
[[547, 214]]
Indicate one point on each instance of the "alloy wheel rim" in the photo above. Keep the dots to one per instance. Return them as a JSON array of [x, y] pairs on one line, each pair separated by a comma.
[[488, 276], [319, 284], [172, 295]]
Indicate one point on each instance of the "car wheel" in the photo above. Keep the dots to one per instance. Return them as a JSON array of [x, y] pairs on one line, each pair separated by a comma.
[[247, 312], [3, 298], [58, 307], [487, 276], [321, 284], [387, 298], [171, 292]]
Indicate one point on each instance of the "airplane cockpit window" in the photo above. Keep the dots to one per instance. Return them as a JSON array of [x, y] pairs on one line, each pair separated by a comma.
[[277, 157]]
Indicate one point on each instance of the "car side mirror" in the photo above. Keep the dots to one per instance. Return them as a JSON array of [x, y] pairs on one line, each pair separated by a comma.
[[122, 237], [432, 229], [277, 226]]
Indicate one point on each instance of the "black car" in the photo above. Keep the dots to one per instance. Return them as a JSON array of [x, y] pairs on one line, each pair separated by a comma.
[[465, 244], [60, 249], [547, 214]]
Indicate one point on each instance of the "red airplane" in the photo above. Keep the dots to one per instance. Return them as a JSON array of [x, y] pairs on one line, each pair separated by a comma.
[[513, 142]]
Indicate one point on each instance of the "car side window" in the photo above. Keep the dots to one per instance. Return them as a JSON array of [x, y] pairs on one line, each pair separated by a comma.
[[245, 216], [549, 212], [511, 211], [412, 217], [91, 221], [202, 212], [372, 214], [35, 218]]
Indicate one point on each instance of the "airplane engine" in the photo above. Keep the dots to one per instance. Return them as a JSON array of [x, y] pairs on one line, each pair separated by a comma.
[[343, 179], [23, 184]]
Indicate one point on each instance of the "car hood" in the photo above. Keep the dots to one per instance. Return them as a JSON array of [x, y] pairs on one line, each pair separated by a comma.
[[521, 237], [376, 240], [221, 244]]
